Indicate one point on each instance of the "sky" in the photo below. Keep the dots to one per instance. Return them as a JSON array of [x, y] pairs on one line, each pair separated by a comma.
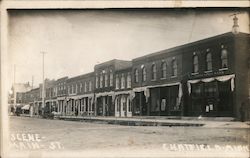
[[76, 40]]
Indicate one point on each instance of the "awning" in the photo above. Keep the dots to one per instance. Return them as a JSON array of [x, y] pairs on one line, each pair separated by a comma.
[[26, 107], [218, 78]]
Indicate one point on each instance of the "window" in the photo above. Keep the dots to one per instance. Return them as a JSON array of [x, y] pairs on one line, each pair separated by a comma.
[[80, 87], [106, 80], [163, 69], [224, 59], [117, 82], [72, 89], [101, 80], [153, 72], [195, 64], [174, 67], [129, 80], [136, 75], [209, 61], [123, 82], [144, 74], [90, 86], [85, 87], [76, 88], [96, 81], [111, 78]]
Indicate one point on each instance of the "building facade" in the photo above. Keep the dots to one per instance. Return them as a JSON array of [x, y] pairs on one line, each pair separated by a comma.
[[208, 78]]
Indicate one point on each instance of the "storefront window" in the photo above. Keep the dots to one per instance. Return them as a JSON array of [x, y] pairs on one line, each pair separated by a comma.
[[163, 69], [210, 89], [195, 64], [224, 58], [144, 74], [153, 71], [209, 61]]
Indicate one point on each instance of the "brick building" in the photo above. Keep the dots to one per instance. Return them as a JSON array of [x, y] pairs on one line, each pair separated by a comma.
[[209, 77]]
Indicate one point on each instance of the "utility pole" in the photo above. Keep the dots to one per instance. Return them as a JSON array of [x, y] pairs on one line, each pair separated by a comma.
[[14, 86], [43, 87]]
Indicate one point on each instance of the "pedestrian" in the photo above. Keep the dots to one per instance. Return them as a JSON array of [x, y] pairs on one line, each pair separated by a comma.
[[242, 112]]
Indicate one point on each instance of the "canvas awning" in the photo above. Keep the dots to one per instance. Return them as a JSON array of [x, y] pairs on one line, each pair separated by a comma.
[[26, 107], [218, 78]]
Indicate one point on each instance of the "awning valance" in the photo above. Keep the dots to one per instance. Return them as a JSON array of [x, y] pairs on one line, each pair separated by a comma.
[[26, 107], [218, 78], [146, 91]]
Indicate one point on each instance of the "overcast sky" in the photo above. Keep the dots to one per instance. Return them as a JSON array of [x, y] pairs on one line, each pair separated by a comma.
[[76, 40]]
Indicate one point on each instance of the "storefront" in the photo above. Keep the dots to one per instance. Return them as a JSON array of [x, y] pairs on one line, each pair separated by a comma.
[[123, 105], [104, 103], [211, 96], [165, 100]]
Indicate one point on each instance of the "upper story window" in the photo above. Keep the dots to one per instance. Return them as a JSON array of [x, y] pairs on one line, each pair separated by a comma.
[[163, 69], [153, 71], [101, 80], [136, 73], [129, 80], [117, 81], [80, 89], [123, 82], [144, 74], [106, 80], [76, 88], [111, 78], [224, 59], [96, 81], [90, 86], [85, 87], [195, 63], [72, 89], [208, 61], [174, 67]]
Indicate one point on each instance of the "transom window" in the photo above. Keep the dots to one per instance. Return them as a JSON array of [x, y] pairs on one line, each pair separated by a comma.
[[209, 61]]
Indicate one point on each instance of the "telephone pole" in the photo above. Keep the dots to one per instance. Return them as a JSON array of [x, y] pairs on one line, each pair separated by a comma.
[[43, 87]]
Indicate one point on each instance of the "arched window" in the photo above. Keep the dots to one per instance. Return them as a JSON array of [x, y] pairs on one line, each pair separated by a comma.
[[106, 80], [144, 74], [163, 69], [195, 64], [136, 75], [110, 78], [117, 81], [209, 61], [101, 80], [224, 58], [123, 81], [174, 67], [153, 71], [129, 80]]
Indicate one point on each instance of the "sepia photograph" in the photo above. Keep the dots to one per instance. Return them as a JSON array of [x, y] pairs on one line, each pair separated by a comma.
[[128, 82]]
